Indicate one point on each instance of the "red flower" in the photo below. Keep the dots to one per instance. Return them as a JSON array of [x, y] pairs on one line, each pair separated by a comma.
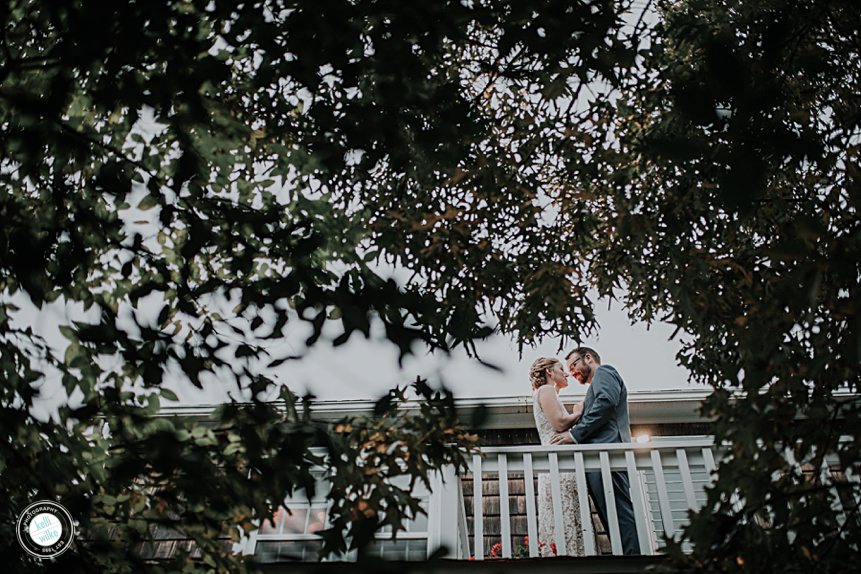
[[553, 548], [496, 550]]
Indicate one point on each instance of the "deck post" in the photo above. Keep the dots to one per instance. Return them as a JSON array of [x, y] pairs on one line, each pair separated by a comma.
[[443, 507]]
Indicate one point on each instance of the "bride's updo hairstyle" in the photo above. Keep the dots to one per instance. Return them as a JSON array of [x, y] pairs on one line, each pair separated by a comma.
[[538, 371]]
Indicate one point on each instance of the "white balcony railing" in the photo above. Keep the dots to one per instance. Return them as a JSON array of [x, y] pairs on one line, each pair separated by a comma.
[[667, 478]]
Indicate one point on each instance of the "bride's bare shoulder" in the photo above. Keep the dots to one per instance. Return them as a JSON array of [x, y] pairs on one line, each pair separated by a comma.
[[546, 396], [543, 390]]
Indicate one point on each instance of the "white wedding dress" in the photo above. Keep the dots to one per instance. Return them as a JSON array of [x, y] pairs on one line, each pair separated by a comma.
[[570, 501]]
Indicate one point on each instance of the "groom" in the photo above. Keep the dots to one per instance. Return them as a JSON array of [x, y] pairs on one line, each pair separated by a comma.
[[604, 420]]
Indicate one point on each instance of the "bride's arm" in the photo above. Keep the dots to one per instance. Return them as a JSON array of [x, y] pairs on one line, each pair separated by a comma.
[[555, 411], [577, 410], [576, 413]]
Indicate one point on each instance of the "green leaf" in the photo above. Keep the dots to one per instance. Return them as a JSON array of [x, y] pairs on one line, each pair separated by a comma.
[[148, 202], [73, 351], [68, 332]]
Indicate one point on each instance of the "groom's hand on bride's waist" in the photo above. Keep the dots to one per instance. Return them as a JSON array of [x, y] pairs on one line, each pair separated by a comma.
[[562, 438]]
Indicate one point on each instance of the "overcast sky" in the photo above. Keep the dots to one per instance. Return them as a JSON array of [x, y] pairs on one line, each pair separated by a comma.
[[366, 369]]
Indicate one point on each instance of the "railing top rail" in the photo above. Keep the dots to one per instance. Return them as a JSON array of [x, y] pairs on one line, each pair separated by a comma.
[[699, 442]]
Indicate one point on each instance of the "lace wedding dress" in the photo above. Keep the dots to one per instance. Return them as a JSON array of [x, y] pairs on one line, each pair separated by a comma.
[[570, 500]]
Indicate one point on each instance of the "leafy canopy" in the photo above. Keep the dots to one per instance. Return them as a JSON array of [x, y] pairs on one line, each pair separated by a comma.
[[251, 167]]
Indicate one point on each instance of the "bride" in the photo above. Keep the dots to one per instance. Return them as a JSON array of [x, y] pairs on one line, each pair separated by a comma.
[[548, 377]]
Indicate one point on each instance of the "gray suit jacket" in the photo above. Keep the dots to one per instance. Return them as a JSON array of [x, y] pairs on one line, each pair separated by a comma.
[[605, 412]]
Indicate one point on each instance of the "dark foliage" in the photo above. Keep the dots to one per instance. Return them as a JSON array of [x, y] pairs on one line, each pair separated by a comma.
[[249, 169]]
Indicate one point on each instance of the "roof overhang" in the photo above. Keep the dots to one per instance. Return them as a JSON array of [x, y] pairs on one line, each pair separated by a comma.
[[645, 407]]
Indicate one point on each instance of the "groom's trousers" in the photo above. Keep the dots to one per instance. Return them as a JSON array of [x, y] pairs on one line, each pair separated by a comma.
[[624, 508]]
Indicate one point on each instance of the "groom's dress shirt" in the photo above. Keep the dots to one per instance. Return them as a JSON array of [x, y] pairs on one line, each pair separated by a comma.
[[605, 411]]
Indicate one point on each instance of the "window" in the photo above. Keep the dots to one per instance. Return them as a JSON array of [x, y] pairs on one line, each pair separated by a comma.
[[291, 536]]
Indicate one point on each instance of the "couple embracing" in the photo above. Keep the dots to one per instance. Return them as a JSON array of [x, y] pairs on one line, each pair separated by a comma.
[[601, 418]]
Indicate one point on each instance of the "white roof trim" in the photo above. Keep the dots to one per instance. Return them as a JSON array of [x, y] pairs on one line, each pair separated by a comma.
[[646, 407]]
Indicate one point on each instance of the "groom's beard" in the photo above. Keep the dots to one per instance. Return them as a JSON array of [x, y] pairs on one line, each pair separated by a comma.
[[583, 376]]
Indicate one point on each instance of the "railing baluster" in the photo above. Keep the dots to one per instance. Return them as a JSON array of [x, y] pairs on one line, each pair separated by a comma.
[[585, 513], [250, 547], [610, 501], [504, 513], [435, 514], [463, 530], [663, 497], [477, 510], [687, 480], [531, 519], [556, 491], [643, 531]]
